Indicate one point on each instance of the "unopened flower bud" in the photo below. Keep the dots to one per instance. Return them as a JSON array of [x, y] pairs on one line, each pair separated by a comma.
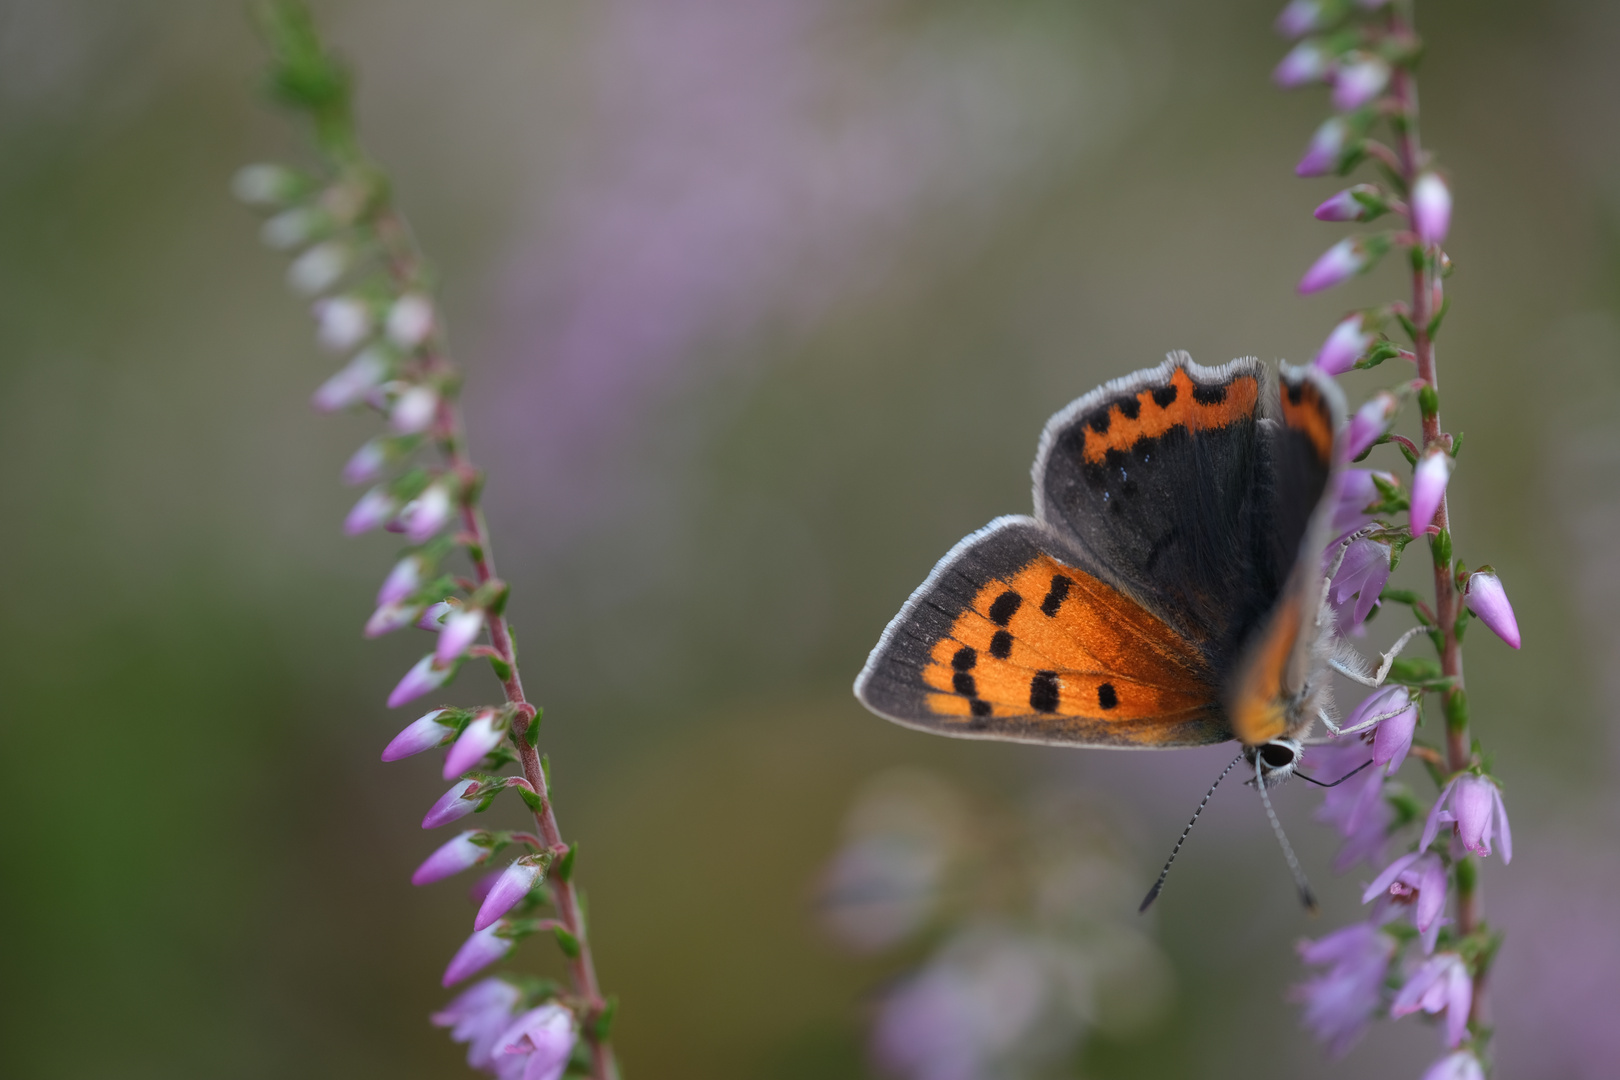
[[319, 268], [513, 885], [1429, 487], [1358, 80], [1345, 345], [354, 382], [389, 617], [268, 185], [1457, 1065], [461, 629], [478, 738], [423, 733], [368, 462], [410, 320], [1343, 261], [1369, 424], [375, 507], [341, 323], [1301, 17], [1332, 143], [294, 227], [1431, 208], [1306, 62], [1363, 202], [477, 953], [403, 580], [424, 676], [433, 618], [414, 410], [1488, 601], [424, 516], [453, 805], [462, 853]]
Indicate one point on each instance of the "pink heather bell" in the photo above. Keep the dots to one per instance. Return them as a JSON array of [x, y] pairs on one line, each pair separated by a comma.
[[478, 1016], [1369, 423], [461, 628], [1340, 263], [477, 953], [1488, 601], [1306, 62], [1418, 877], [544, 1038], [513, 885], [453, 805], [1345, 345], [1442, 983], [1429, 481], [424, 676], [1473, 806], [423, 733], [1328, 147], [1358, 80], [478, 738], [1431, 208], [461, 853], [1346, 207], [1457, 1065]]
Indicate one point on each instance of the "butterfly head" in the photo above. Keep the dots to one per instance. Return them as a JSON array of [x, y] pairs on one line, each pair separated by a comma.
[[1276, 760]]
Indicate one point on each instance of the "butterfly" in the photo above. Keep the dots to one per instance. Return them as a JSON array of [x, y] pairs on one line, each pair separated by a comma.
[[1167, 591]]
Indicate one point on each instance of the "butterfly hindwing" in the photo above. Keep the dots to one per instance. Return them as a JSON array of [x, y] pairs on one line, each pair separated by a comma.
[[1015, 636]]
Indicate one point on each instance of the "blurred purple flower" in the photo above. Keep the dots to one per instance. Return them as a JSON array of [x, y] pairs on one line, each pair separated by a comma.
[[513, 885], [1393, 737], [478, 738], [479, 951], [1488, 601], [451, 806], [1429, 481], [353, 383], [403, 580], [1441, 983], [391, 617], [424, 516], [374, 508], [1362, 573], [1418, 879], [1345, 345], [1329, 146], [1301, 17], [1357, 80], [414, 410], [1355, 808], [1431, 208], [423, 733], [1369, 423], [1344, 206], [1458, 1065], [1341, 1003], [320, 267], [1476, 810], [368, 462], [410, 321], [460, 853], [1306, 62], [478, 1016], [433, 618], [543, 1038], [1356, 492], [341, 323], [461, 628], [1340, 263], [424, 676]]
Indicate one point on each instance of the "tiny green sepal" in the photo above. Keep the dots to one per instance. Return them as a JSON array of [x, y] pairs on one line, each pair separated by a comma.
[[1411, 458], [565, 865], [503, 670], [602, 1024], [545, 769], [1414, 671], [567, 942], [1440, 548], [1457, 710], [531, 799], [1407, 325], [1456, 445], [1439, 317], [1428, 401]]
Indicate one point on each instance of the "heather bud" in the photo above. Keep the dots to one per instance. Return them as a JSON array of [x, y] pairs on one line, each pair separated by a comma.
[[1345, 345], [396, 615], [461, 629], [462, 799], [410, 320], [478, 952], [1358, 80], [1429, 481], [319, 268], [1488, 601], [1332, 144], [479, 737], [354, 382], [1458, 1065], [1362, 202], [268, 185], [341, 323], [1431, 208], [433, 618], [1301, 17], [403, 580], [423, 733], [424, 676], [1369, 424], [424, 516], [375, 507], [368, 462], [512, 886], [413, 411], [1306, 62], [1343, 261], [462, 853]]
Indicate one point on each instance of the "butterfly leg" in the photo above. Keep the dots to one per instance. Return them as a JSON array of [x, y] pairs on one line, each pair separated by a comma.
[[1358, 673]]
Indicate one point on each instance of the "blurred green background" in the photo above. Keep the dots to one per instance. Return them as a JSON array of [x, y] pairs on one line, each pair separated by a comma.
[[763, 306]]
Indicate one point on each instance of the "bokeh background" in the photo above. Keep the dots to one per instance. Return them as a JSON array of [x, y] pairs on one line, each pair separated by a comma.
[[763, 304]]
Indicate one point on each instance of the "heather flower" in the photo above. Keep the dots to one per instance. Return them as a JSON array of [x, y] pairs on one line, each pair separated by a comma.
[[479, 951], [422, 677], [1345, 345], [1356, 492], [1369, 423], [1329, 146], [426, 515], [423, 733], [353, 383], [1301, 17], [368, 462], [341, 323], [1431, 208], [374, 508], [433, 618], [478, 1016], [403, 580], [294, 227], [1341, 262], [544, 1038], [1393, 736], [1429, 487], [1457, 1065], [1441, 983], [1473, 805], [478, 738], [390, 617], [1306, 62], [1418, 879], [1355, 808], [1358, 80], [1488, 601], [453, 805], [1363, 202], [410, 320], [1341, 1003], [461, 628], [512, 886], [1362, 573], [267, 185], [461, 853], [319, 268], [414, 410]]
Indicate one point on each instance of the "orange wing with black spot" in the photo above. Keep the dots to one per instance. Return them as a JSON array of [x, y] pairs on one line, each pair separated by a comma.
[[1011, 638]]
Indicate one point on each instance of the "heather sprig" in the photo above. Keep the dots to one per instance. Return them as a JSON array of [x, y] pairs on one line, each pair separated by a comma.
[[1409, 955], [373, 307]]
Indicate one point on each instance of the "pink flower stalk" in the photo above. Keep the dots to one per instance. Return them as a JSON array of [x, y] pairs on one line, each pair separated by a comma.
[[424, 676], [1418, 879], [1477, 813], [1355, 808], [1457, 1065], [477, 953], [1429, 481], [1362, 573], [461, 853], [375, 508], [1301, 17], [478, 1016], [1356, 492], [1345, 345], [478, 738], [544, 1037], [455, 804], [513, 885], [1369, 423], [368, 462], [403, 580], [390, 617], [1341, 1003], [1328, 147], [461, 629], [1358, 80], [1488, 601], [1346, 207], [1441, 983], [410, 320], [354, 382], [413, 412], [423, 733], [1431, 208], [426, 515], [1339, 264], [1306, 62], [341, 323]]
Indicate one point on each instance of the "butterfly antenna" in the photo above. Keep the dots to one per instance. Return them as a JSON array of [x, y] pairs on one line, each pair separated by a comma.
[[1158, 886], [1306, 897]]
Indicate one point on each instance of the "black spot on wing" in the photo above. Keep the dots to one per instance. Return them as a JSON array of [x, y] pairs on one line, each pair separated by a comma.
[[1099, 421], [979, 708], [1106, 697], [1130, 408], [1209, 395], [1001, 645], [1055, 596], [1165, 396], [1005, 607], [1043, 692], [963, 683], [965, 658]]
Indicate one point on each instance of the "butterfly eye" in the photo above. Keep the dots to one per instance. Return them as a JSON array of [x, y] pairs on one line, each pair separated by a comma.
[[1277, 755]]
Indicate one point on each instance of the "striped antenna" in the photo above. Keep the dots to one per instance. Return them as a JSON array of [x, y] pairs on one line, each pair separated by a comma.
[[1306, 897], [1153, 893]]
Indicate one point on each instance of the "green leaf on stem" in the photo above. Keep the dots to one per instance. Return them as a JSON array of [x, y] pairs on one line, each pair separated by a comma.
[[567, 942], [1440, 548], [1414, 670], [1439, 317], [1428, 401], [503, 670], [1456, 710], [602, 1023], [531, 799], [545, 769], [1456, 445], [565, 865]]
